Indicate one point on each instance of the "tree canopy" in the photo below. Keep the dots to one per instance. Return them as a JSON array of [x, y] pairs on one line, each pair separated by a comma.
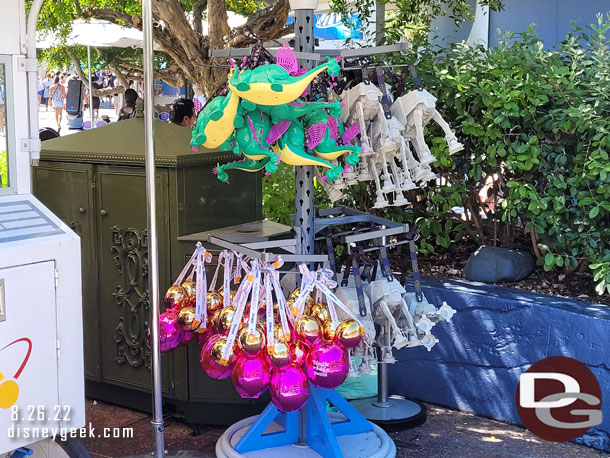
[[178, 30]]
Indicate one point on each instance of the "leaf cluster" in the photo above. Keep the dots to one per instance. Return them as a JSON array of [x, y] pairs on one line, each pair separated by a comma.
[[536, 127]]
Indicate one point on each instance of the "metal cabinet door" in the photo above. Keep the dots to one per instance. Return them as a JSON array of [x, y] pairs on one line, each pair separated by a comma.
[[123, 280], [67, 190]]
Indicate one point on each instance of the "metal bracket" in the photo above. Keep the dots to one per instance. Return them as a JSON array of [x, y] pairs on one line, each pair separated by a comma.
[[402, 229], [373, 50], [30, 145], [27, 65], [243, 52], [268, 257]]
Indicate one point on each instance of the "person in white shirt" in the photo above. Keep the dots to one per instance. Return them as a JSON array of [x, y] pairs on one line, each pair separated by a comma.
[[40, 90]]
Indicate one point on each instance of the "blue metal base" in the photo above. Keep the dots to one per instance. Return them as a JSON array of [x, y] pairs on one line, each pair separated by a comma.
[[22, 452], [320, 433]]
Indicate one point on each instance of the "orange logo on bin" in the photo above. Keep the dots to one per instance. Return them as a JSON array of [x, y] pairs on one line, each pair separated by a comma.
[[9, 389]]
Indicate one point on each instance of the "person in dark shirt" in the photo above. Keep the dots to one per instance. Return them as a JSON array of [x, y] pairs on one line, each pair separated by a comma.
[[182, 112], [97, 84], [129, 109]]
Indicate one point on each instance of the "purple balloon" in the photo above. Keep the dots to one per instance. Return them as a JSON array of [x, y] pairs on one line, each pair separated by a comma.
[[250, 375], [170, 335], [327, 364], [289, 388]]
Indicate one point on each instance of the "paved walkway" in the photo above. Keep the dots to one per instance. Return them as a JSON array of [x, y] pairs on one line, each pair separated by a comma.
[[447, 433], [46, 118]]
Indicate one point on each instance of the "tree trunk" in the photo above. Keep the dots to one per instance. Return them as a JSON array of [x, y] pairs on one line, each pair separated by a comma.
[[189, 48]]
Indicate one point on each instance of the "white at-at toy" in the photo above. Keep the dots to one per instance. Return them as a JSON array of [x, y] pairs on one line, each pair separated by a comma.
[[409, 323], [394, 152], [415, 110], [361, 106]]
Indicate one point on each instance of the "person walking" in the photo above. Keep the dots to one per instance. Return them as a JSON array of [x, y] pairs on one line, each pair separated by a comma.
[[58, 96], [47, 83]]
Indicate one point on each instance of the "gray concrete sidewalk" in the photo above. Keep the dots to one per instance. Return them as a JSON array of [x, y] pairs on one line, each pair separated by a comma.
[[447, 433]]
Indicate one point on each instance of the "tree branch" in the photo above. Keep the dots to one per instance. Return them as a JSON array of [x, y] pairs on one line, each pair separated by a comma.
[[114, 16], [85, 79], [265, 24], [198, 8]]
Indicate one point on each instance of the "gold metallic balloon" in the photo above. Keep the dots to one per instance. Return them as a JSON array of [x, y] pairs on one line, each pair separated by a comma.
[[191, 293], [223, 319], [216, 353], [298, 352], [251, 344], [214, 300], [175, 297], [349, 334], [279, 355], [309, 302], [278, 332], [261, 322], [320, 311], [328, 331], [232, 294], [186, 319], [308, 328]]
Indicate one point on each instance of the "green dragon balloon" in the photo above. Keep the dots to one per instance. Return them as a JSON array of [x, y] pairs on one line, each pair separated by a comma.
[[263, 119]]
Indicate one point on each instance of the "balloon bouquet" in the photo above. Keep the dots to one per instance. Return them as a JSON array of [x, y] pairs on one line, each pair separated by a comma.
[[258, 337], [266, 118]]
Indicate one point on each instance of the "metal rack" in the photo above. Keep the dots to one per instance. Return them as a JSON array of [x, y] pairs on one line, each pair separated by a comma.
[[301, 250]]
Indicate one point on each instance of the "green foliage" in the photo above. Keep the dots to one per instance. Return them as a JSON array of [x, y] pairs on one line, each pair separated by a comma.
[[537, 120], [279, 195], [3, 169]]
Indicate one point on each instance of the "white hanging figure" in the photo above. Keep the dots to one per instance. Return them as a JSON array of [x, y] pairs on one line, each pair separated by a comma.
[[415, 110], [362, 106]]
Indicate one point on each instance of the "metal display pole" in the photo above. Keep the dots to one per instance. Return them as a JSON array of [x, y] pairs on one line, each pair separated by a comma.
[[90, 87], [153, 255], [305, 212]]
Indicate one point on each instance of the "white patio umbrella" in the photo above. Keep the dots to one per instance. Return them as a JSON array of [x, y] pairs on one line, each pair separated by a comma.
[[99, 34]]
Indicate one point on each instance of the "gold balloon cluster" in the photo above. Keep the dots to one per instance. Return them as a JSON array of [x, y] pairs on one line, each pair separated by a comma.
[[316, 322], [291, 348]]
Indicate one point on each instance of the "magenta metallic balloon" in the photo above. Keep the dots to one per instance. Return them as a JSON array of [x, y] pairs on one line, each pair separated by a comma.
[[210, 357], [327, 364], [204, 336], [289, 388], [187, 338], [250, 375], [170, 334]]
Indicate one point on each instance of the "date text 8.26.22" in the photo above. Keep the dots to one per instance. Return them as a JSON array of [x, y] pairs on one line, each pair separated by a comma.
[[41, 413]]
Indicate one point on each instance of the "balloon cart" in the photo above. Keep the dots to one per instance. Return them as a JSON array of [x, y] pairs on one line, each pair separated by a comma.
[[41, 338]]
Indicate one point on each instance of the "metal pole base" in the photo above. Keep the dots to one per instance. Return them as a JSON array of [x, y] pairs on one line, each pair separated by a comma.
[[397, 414]]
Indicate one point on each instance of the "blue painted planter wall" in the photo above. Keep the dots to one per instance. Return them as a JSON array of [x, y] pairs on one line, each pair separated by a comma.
[[497, 334]]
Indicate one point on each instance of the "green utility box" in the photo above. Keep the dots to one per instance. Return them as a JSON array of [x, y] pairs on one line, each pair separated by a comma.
[[95, 182]]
